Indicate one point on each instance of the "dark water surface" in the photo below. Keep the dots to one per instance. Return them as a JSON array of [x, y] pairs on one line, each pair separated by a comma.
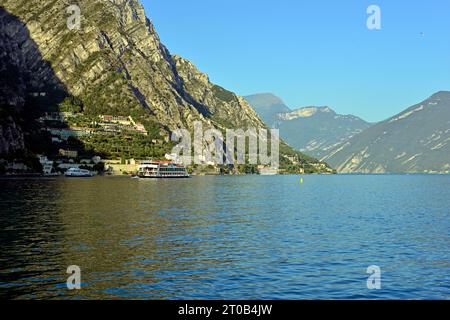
[[249, 237]]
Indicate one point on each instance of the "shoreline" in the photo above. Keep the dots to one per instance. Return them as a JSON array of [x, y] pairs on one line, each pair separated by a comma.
[[40, 176]]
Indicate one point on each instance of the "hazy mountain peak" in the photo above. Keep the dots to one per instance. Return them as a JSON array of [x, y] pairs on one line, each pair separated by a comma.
[[268, 106], [325, 109], [265, 100]]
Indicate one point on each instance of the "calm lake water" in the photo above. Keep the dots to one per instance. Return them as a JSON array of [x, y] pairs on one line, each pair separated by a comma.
[[250, 237]]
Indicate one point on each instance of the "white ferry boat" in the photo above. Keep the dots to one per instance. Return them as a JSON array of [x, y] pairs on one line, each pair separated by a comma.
[[268, 171], [78, 173], [162, 170]]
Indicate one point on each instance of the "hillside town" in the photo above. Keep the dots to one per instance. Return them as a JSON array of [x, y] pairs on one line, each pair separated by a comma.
[[71, 132]]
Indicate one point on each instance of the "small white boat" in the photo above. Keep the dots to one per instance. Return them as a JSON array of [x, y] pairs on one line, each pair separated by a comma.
[[78, 173]]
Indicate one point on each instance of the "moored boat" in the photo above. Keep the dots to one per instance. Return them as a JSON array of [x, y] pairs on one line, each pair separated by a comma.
[[268, 171], [78, 173], [162, 170]]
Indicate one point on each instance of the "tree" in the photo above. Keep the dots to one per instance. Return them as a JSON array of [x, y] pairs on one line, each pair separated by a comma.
[[33, 163], [71, 104], [99, 167]]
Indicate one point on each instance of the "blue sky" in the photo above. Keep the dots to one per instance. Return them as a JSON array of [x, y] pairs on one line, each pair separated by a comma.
[[315, 52]]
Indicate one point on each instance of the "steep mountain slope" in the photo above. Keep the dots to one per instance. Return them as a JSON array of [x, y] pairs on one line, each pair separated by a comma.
[[24, 76], [415, 140], [115, 64], [268, 107], [312, 130]]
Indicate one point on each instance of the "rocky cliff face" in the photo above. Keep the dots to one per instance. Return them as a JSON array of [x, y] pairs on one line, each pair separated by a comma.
[[116, 63], [11, 137], [23, 73]]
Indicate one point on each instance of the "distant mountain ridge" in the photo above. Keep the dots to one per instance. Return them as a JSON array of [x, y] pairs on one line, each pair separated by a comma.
[[316, 130], [312, 130], [416, 140]]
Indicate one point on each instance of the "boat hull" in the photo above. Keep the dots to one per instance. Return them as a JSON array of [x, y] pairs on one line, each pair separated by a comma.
[[162, 170], [78, 176], [162, 177]]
